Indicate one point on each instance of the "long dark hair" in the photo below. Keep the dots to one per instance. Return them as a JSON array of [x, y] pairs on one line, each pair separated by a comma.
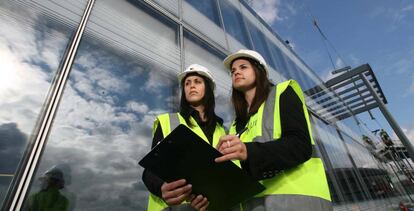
[[263, 86], [208, 101]]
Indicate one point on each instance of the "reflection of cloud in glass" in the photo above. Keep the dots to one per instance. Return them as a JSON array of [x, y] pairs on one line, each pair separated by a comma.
[[103, 127], [23, 86], [30, 50], [224, 109], [12, 141], [31, 45]]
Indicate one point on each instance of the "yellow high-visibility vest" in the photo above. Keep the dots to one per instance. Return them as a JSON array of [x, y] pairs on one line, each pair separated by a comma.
[[168, 122], [307, 181]]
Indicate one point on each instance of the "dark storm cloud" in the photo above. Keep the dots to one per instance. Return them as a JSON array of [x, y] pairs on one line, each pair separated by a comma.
[[12, 144]]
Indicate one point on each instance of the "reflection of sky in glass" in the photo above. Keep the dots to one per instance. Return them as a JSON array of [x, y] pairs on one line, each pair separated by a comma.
[[204, 17], [31, 46], [360, 154], [207, 8], [119, 82], [259, 42], [333, 145], [233, 23], [198, 52], [104, 126]]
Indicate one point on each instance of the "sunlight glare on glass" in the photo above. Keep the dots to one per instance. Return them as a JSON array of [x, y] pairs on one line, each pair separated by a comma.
[[8, 72]]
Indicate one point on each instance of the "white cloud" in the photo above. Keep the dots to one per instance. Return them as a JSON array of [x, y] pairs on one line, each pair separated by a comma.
[[157, 80], [400, 15], [339, 63], [354, 60], [408, 8], [23, 83], [408, 131], [137, 107], [400, 64], [326, 74], [293, 8], [411, 89], [268, 10]]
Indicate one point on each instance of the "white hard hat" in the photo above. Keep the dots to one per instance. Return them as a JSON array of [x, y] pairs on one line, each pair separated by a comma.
[[199, 69], [245, 53], [54, 174]]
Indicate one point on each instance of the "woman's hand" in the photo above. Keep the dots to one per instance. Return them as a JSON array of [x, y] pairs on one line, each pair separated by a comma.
[[232, 149], [174, 193], [200, 202]]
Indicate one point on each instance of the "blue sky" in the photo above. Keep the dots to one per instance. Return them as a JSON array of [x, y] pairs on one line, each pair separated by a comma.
[[377, 32]]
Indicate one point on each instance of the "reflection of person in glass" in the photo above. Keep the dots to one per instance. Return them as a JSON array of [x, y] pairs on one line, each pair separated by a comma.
[[197, 113], [277, 147], [49, 197]]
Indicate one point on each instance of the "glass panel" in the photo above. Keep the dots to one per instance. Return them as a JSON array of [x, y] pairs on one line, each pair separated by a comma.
[[169, 5], [259, 43], [196, 51], [207, 7], [376, 174], [204, 16], [340, 177], [334, 186], [278, 61], [297, 74], [255, 28], [363, 183], [33, 38], [123, 76], [235, 29]]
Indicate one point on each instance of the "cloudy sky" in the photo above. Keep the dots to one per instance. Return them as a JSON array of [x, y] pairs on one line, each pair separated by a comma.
[[377, 32], [104, 121]]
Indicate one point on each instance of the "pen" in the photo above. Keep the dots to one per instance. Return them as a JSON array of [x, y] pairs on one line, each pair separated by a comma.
[[241, 132], [238, 135]]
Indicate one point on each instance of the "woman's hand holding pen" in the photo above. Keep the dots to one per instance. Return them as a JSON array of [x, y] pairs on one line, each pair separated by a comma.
[[232, 148], [175, 192]]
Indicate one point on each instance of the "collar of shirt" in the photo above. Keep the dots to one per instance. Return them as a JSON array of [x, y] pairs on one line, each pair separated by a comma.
[[195, 114]]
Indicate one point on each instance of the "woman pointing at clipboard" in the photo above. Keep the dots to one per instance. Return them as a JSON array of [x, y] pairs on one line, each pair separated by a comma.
[[274, 141], [196, 112]]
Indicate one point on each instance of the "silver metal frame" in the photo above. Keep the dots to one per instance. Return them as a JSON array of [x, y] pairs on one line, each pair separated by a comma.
[[394, 125], [352, 95], [31, 163]]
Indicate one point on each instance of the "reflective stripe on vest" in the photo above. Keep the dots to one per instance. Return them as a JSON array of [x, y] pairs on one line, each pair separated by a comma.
[[287, 202], [307, 180], [169, 122]]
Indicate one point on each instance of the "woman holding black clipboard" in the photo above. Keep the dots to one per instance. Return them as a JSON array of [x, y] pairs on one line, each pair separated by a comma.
[[196, 112], [273, 139]]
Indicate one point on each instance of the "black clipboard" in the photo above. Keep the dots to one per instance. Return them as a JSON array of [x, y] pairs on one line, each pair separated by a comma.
[[183, 154]]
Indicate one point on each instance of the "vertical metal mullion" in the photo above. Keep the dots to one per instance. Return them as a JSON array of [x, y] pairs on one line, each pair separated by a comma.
[[325, 158], [182, 54], [222, 24], [181, 34], [49, 114], [359, 178]]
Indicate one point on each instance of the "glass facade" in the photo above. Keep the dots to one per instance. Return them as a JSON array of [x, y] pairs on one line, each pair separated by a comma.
[[33, 40], [123, 75]]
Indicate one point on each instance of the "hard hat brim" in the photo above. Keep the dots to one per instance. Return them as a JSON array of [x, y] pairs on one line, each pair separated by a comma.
[[230, 58], [182, 75]]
